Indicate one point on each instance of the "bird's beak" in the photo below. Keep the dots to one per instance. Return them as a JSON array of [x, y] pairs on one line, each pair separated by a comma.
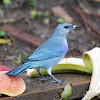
[[74, 26]]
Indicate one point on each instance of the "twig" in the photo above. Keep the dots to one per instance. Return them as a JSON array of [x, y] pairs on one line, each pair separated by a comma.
[[3, 59], [31, 39], [86, 24], [11, 20], [93, 29], [11, 37], [88, 12], [96, 15]]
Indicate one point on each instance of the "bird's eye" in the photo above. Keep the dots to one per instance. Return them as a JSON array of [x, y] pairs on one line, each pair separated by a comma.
[[65, 26]]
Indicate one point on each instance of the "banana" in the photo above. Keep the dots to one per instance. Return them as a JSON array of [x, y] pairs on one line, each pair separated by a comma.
[[89, 64], [92, 58], [65, 65]]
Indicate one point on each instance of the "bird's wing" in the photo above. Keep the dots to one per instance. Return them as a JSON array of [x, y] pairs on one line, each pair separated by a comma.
[[44, 53]]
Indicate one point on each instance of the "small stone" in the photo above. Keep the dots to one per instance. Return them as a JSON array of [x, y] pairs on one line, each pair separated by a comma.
[[46, 21]]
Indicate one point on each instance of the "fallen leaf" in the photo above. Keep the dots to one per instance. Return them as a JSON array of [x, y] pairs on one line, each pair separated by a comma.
[[60, 12], [2, 33]]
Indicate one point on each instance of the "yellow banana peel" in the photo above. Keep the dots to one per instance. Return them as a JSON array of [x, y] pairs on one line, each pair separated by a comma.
[[92, 58], [65, 65], [89, 64], [4, 41]]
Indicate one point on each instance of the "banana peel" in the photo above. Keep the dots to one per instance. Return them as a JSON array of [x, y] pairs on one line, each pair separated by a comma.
[[89, 64], [4, 41], [92, 58], [65, 65]]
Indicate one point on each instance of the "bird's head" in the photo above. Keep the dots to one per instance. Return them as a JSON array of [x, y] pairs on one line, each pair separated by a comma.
[[64, 28]]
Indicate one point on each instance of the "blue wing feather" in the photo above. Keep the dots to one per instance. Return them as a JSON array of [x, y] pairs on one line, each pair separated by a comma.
[[45, 52]]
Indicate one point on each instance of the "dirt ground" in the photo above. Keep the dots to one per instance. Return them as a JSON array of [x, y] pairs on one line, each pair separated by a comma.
[[78, 41]]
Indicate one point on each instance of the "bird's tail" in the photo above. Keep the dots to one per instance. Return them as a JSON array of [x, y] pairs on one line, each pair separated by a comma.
[[17, 71]]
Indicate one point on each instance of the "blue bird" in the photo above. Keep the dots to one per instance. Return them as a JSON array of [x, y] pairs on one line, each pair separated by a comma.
[[48, 54]]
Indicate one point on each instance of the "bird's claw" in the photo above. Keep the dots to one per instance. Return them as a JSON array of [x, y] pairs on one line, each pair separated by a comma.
[[44, 79], [57, 81]]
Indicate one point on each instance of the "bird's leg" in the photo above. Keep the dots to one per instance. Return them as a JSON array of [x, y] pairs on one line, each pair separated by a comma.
[[38, 70], [42, 78], [49, 72]]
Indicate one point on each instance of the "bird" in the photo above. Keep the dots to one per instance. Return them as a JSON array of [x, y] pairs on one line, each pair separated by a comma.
[[48, 54]]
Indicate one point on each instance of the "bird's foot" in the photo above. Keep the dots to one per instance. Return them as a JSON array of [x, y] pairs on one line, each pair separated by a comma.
[[57, 81], [44, 79]]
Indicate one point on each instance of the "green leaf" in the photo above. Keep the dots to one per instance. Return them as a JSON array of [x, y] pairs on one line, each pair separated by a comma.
[[1, 11], [2, 33], [93, 43], [31, 4], [35, 14], [41, 14], [6, 2], [67, 92], [60, 20], [24, 55], [18, 61]]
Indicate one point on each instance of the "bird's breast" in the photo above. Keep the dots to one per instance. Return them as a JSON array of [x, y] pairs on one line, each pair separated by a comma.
[[63, 48]]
